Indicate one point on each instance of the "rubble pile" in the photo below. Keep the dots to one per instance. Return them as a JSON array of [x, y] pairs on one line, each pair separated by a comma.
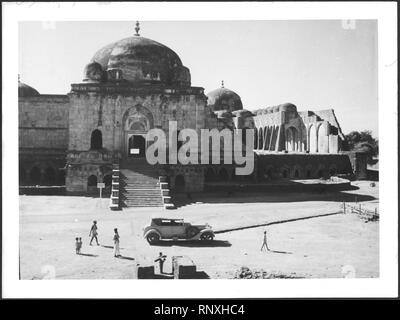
[[246, 273]]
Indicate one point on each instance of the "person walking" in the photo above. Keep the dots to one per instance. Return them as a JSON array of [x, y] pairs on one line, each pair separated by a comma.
[[93, 233], [77, 245], [265, 244], [161, 259], [116, 243]]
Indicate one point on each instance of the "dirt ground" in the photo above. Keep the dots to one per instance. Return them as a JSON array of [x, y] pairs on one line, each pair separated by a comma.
[[332, 246]]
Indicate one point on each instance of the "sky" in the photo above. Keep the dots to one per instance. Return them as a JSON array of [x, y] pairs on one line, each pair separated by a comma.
[[314, 64]]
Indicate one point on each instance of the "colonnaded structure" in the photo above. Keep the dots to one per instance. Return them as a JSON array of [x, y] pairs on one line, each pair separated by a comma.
[[96, 133]]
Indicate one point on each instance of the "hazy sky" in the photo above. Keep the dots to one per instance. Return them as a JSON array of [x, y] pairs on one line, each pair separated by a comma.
[[314, 64]]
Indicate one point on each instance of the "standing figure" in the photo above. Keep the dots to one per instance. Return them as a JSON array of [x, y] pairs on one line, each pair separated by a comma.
[[77, 245], [265, 244], [93, 233], [116, 243], [161, 259]]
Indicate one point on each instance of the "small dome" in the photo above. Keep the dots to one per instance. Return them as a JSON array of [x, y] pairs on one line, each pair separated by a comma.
[[224, 99], [243, 113], [26, 91], [93, 72], [289, 107], [224, 114]]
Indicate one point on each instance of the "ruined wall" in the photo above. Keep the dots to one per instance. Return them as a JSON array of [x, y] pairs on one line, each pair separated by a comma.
[[43, 139], [90, 111], [43, 122], [118, 112], [283, 128], [302, 166]]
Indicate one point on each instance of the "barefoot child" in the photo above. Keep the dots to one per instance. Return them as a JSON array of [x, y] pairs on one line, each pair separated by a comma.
[[77, 245], [80, 245]]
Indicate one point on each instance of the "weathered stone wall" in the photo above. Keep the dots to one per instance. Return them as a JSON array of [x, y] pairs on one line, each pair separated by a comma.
[[107, 113], [43, 122], [191, 175], [307, 166], [43, 139], [281, 129], [117, 114]]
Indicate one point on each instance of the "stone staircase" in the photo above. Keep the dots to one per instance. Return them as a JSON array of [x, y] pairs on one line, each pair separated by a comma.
[[140, 185]]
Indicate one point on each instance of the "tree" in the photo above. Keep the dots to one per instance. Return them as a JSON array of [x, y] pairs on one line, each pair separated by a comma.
[[363, 142]]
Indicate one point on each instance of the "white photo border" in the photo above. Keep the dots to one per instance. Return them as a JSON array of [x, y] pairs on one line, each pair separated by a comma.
[[384, 286]]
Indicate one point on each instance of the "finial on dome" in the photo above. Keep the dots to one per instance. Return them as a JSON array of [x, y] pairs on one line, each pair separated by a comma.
[[137, 28], [222, 84]]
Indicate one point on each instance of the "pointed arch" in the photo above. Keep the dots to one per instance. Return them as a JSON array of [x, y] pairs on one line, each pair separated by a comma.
[[96, 140]]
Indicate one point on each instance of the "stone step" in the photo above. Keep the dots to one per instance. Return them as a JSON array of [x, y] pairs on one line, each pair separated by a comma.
[[143, 194], [132, 202], [140, 186]]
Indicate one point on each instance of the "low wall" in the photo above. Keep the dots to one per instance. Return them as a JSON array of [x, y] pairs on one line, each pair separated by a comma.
[[337, 184], [301, 166]]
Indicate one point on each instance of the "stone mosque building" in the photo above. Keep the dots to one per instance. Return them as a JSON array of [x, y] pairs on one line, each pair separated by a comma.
[[96, 133]]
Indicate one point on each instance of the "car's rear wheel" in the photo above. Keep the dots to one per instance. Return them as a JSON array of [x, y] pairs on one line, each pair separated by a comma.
[[207, 236], [153, 238]]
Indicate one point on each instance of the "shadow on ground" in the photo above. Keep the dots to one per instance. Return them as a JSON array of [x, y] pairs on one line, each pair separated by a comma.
[[194, 243], [126, 258], [88, 255], [281, 252], [181, 200], [169, 276]]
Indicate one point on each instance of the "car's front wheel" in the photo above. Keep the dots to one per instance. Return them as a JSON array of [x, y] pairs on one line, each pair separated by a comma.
[[207, 236], [153, 238]]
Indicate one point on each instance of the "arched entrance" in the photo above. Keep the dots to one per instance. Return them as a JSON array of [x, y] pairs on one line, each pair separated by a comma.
[[138, 120], [136, 146], [292, 139], [96, 140]]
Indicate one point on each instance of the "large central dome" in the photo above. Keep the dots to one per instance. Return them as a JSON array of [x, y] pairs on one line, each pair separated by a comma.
[[140, 60]]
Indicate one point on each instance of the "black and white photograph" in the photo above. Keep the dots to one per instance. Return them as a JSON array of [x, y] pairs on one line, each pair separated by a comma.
[[224, 150]]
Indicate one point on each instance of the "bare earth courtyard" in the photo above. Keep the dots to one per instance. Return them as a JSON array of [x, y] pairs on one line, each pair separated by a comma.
[[317, 247]]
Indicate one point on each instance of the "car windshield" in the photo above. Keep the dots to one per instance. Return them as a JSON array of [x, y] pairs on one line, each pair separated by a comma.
[[165, 222], [168, 222]]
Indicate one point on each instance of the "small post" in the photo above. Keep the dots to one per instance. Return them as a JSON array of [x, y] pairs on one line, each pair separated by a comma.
[[360, 208], [344, 207], [100, 186]]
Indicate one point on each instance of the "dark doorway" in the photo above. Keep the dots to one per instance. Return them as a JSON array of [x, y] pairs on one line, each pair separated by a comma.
[[107, 180], [61, 177], [296, 173], [223, 174], [179, 183], [96, 140], [136, 146], [50, 176], [92, 181], [35, 175], [210, 175]]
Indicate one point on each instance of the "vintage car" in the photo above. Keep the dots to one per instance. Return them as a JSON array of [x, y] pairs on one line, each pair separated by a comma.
[[176, 229]]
